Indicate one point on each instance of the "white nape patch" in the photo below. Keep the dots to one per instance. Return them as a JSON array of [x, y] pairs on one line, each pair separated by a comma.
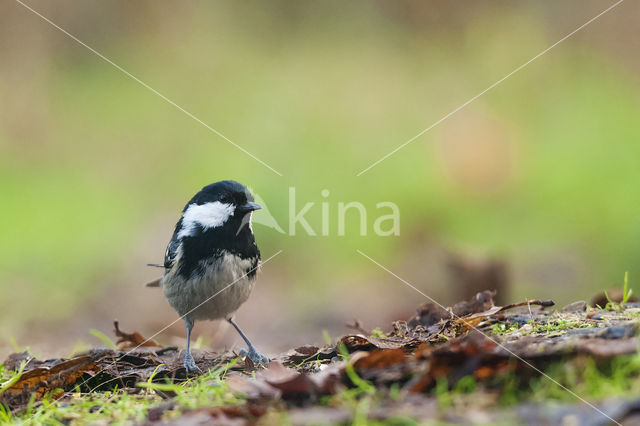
[[209, 215]]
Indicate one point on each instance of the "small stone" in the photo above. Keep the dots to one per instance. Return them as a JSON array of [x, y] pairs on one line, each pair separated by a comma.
[[618, 332], [578, 306], [527, 328], [594, 315]]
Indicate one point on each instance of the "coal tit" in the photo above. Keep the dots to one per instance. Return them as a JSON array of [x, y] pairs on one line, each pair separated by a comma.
[[212, 260]]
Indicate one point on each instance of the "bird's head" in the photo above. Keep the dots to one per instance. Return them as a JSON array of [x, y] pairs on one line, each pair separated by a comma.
[[226, 204]]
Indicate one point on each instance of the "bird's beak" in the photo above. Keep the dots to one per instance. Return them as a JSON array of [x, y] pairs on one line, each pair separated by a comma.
[[249, 207]]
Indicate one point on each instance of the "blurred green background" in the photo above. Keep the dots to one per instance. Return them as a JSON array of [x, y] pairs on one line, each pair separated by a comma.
[[540, 172]]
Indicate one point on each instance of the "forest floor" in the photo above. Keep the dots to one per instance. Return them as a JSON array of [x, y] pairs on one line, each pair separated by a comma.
[[474, 362]]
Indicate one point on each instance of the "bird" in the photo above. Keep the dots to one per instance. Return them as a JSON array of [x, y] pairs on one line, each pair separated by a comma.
[[212, 260]]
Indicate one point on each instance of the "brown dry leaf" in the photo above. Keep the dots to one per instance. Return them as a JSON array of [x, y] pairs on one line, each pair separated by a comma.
[[488, 371], [42, 379], [357, 342], [472, 320], [429, 314], [481, 302], [307, 350], [319, 416], [423, 351], [100, 370], [287, 383], [307, 353], [291, 384], [329, 380], [276, 372], [537, 302], [469, 322], [484, 372], [381, 359], [253, 388], [456, 359], [386, 366], [480, 306], [227, 416], [131, 340], [483, 314], [300, 386]]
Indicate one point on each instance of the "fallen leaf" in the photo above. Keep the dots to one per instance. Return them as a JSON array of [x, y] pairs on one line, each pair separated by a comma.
[[131, 340], [481, 302], [307, 353], [41, 379], [472, 320], [253, 388], [357, 342], [381, 359], [429, 314]]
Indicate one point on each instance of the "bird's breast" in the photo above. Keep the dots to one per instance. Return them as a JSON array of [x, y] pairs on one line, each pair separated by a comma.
[[217, 290]]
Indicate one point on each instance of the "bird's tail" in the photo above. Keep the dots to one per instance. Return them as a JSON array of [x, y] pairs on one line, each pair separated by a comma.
[[153, 283]]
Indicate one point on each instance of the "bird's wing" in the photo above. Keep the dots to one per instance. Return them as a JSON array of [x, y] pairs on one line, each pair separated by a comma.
[[153, 283], [172, 251]]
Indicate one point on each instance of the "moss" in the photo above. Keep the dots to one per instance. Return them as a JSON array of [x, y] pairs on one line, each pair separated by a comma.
[[504, 328], [558, 326], [376, 332]]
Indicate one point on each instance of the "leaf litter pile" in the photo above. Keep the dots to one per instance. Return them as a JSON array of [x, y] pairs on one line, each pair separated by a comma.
[[474, 362]]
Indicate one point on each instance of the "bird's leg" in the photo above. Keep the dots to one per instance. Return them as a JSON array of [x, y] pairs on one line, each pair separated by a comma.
[[252, 353], [189, 363]]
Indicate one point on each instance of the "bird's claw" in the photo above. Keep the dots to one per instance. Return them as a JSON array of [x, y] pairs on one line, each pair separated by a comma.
[[190, 365], [255, 356]]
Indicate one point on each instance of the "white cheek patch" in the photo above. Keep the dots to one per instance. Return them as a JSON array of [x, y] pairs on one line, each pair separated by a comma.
[[209, 215]]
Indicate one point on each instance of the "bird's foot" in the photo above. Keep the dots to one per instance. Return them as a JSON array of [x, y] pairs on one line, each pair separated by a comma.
[[255, 356], [190, 365]]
